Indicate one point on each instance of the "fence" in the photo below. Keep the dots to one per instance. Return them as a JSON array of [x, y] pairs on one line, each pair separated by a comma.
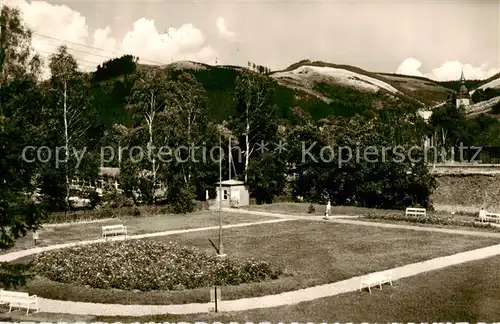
[[483, 155]]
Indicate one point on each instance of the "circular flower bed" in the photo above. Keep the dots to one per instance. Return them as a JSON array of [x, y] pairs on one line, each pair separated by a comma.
[[147, 265]]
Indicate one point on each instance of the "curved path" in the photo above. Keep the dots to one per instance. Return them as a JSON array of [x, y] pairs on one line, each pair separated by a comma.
[[344, 219], [287, 298]]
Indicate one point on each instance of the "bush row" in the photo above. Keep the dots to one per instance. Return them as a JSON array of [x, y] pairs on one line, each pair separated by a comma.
[[147, 265], [430, 219], [136, 211]]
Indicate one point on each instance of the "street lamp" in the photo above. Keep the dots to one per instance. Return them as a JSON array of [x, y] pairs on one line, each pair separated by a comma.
[[221, 246]]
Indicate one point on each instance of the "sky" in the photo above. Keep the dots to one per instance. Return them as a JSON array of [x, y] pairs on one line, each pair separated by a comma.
[[436, 39]]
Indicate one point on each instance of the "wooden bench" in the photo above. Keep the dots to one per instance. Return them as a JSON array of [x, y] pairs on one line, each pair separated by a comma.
[[415, 212], [19, 300], [113, 230], [490, 216], [375, 279]]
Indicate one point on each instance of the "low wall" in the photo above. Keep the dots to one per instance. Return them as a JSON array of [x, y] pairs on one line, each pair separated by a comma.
[[464, 168]]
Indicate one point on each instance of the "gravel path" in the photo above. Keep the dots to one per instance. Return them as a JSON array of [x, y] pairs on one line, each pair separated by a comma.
[[344, 219], [287, 298]]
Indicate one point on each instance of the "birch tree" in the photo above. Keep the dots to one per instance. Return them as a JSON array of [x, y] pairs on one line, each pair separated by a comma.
[[256, 116], [187, 98], [148, 102], [70, 107]]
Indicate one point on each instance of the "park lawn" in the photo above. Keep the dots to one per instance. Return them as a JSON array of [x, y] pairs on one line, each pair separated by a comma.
[[311, 253], [301, 209], [51, 235], [468, 292], [291, 208]]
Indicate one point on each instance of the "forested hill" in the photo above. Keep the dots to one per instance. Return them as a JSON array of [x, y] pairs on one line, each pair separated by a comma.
[[317, 88]]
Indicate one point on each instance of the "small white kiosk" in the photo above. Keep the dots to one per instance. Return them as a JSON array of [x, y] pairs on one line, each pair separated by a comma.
[[234, 194]]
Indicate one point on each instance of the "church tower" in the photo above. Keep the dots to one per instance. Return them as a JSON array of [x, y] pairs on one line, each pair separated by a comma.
[[463, 98]]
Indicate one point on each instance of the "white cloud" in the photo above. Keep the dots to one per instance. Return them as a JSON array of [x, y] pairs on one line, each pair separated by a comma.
[[176, 44], [449, 70], [101, 39], [60, 25], [223, 30], [410, 66]]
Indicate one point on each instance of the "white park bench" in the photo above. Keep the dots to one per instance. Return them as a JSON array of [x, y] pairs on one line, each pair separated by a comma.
[[18, 300], [490, 216], [113, 230], [375, 279], [415, 212]]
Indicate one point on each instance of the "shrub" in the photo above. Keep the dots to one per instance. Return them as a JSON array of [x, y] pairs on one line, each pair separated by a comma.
[[136, 212], [147, 265], [115, 199], [106, 213], [181, 198], [311, 209]]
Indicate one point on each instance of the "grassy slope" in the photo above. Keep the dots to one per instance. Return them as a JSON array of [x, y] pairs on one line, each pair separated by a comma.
[[481, 82], [423, 89]]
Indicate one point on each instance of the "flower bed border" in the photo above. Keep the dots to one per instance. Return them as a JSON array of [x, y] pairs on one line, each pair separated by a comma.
[[431, 220]]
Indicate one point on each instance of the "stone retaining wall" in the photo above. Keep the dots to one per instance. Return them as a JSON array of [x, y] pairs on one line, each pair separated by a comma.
[[467, 192]]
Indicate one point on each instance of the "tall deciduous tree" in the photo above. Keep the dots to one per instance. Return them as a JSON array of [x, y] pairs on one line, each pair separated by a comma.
[[70, 110], [256, 115], [19, 122], [148, 103], [17, 58], [187, 101]]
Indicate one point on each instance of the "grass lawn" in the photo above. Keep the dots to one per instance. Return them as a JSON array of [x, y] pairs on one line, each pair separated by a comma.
[[291, 208], [464, 293], [135, 225], [301, 209], [312, 253]]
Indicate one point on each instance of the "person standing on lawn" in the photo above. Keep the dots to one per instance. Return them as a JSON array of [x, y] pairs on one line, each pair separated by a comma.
[[482, 214], [328, 209]]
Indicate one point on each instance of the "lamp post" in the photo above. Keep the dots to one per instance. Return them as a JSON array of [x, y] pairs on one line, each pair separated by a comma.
[[221, 246], [35, 237], [229, 178]]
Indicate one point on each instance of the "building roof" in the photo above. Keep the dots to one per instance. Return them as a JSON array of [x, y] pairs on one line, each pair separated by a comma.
[[231, 182], [110, 172], [425, 114]]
